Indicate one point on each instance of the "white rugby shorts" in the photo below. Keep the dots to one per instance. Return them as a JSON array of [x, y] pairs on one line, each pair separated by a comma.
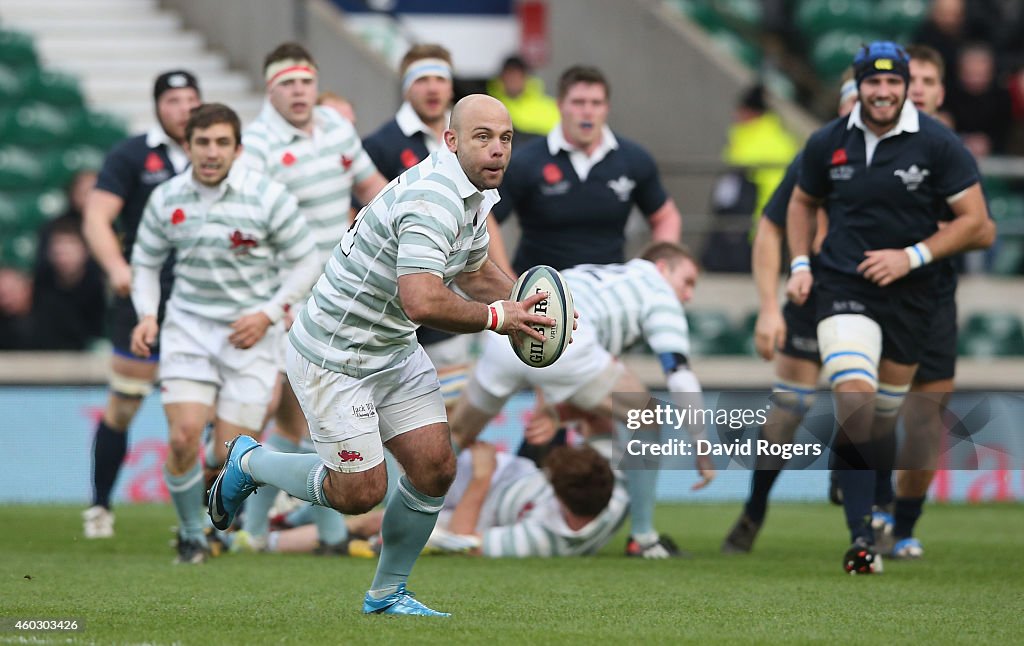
[[351, 419], [194, 348], [501, 373]]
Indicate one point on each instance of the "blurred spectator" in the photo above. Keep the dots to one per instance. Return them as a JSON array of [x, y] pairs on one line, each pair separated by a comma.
[[533, 112], [947, 29], [77, 191], [68, 294], [980, 107], [15, 308], [759, 144], [339, 104]]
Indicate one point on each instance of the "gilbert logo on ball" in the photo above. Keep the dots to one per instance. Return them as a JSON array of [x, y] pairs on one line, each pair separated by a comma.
[[557, 306]]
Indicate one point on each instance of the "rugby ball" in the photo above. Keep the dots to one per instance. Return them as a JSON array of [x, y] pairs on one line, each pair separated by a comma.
[[557, 306]]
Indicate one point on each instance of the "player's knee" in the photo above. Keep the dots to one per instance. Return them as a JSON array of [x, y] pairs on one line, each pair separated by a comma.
[[851, 347], [244, 414], [355, 495], [434, 475], [121, 410], [183, 440], [889, 399], [792, 397]]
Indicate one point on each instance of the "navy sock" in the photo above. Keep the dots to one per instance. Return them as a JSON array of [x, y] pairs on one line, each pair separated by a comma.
[[907, 511], [858, 494], [761, 482], [108, 451], [884, 493]]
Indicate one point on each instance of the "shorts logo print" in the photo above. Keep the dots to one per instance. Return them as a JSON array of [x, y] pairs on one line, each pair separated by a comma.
[[364, 411], [350, 456]]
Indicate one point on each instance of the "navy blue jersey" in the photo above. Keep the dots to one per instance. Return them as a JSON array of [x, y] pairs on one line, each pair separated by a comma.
[[777, 205], [131, 171], [567, 222], [891, 204], [392, 151]]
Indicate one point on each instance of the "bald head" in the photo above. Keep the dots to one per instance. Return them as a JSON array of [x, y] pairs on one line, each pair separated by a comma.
[[474, 107], [480, 135]]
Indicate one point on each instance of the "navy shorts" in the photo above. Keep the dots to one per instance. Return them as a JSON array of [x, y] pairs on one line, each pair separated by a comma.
[[903, 310], [938, 362], [121, 320], [802, 329]]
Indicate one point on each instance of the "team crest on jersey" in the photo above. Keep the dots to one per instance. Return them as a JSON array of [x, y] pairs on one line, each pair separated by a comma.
[[840, 173], [154, 170], [177, 217], [839, 157], [552, 173], [622, 187], [913, 177], [409, 158], [346, 162], [287, 159], [241, 243]]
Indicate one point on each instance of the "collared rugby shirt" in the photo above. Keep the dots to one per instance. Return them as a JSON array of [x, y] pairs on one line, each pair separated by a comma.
[[228, 253], [319, 170], [629, 303], [428, 219]]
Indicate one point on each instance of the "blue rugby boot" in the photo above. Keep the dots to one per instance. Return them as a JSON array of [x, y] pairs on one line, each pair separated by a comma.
[[232, 485], [401, 602]]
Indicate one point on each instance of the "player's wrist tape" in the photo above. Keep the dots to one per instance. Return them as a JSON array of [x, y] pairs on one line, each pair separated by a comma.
[[495, 316], [799, 264], [919, 255]]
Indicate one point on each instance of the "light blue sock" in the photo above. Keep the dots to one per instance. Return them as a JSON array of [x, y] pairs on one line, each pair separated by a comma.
[[301, 516], [394, 475], [257, 506], [641, 484], [408, 521], [300, 474], [187, 494], [330, 526]]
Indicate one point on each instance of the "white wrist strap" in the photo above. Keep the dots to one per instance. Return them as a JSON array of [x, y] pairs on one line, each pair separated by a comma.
[[495, 316], [799, 264], [919, 255]]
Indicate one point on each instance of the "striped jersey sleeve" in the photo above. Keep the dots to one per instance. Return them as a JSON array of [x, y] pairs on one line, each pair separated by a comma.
[[628, 304], [478, 252], [354, 322], [151, 243], [427, 223]]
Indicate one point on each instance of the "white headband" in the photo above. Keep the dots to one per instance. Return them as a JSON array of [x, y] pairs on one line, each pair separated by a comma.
[[847, 91], [288, 69], [425, 67]]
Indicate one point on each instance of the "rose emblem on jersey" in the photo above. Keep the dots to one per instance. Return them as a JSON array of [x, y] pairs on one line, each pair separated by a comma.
[[552, 173], [346, 162], [409, 158], [177, 217], [153, 163], [839, 157], [287, 159]]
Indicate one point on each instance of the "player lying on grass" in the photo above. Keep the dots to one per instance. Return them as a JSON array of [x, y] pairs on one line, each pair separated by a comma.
[[619, 306]]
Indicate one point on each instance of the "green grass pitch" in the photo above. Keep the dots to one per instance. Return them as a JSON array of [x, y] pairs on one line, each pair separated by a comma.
[[970, 587]]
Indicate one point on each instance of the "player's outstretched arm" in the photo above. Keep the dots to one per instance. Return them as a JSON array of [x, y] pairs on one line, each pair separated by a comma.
[[766, 257], [427, 301], [489, 283], [800, 217], [101, 209]]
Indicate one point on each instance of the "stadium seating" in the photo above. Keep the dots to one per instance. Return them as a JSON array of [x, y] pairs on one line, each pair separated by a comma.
[[992, 334], [47, 134], [712, 333]]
